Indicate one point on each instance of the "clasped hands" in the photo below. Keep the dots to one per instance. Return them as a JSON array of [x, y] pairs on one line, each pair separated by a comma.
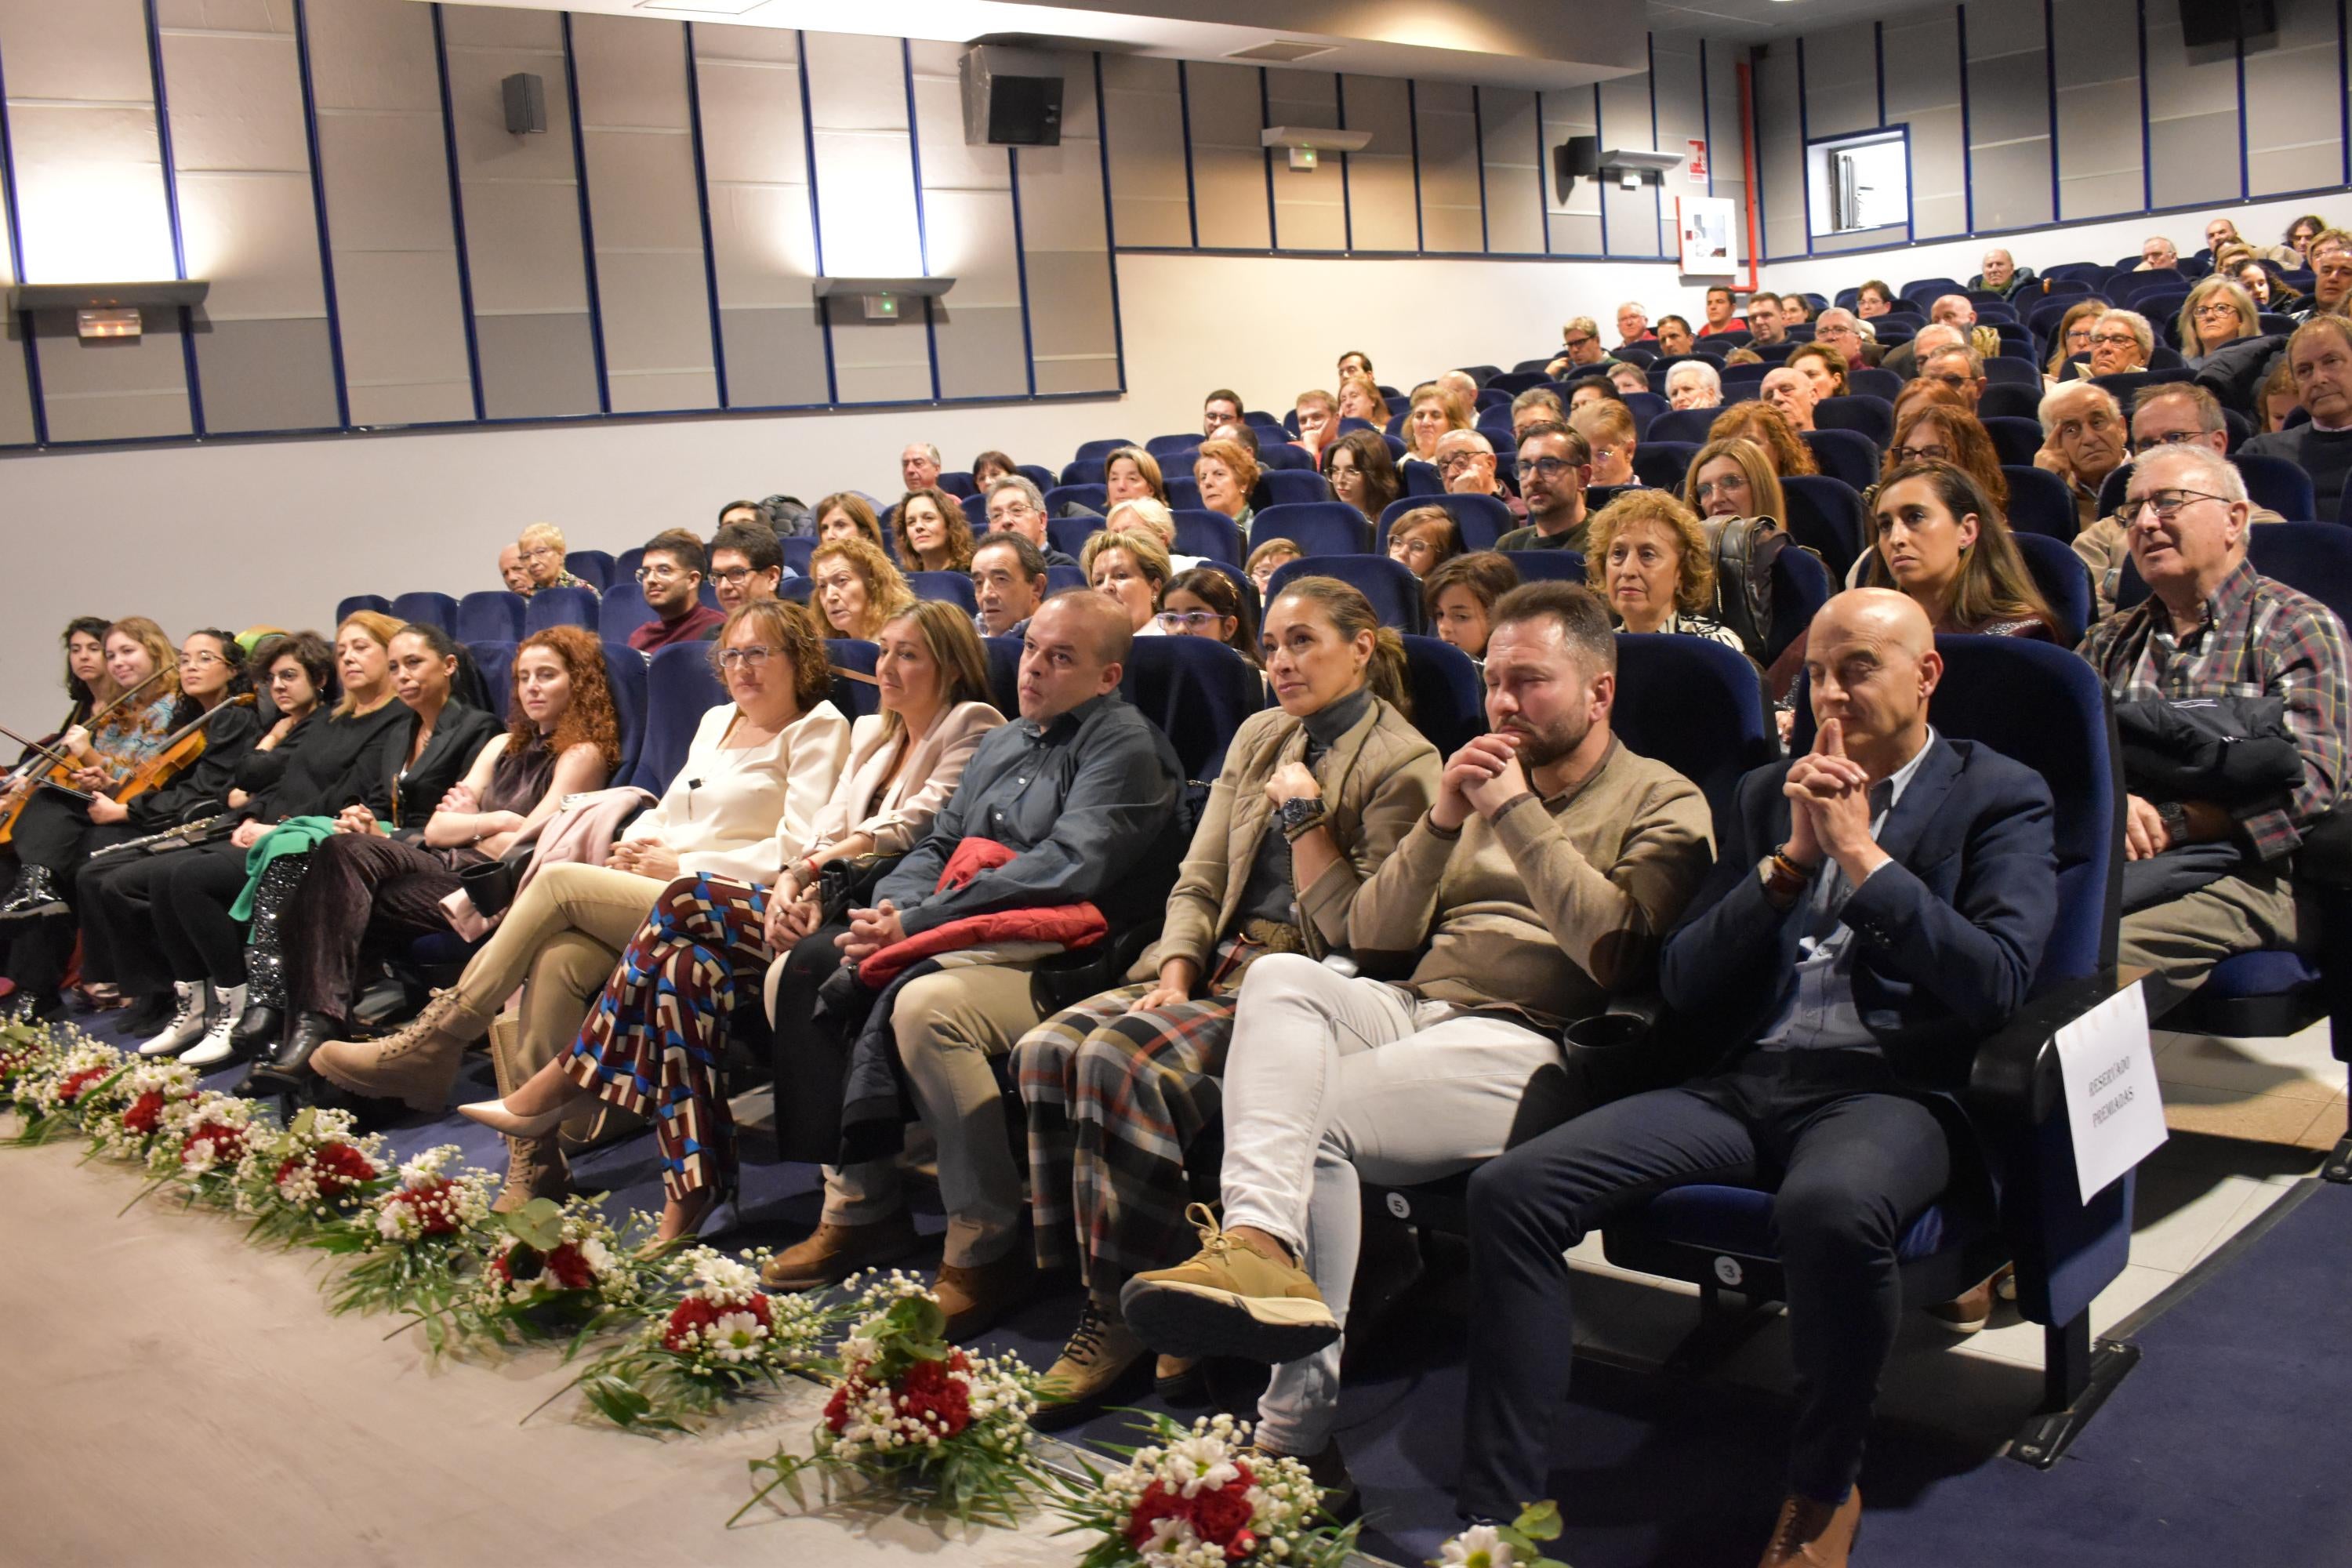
[[1483, 776], [1829, 808], [871, 930]]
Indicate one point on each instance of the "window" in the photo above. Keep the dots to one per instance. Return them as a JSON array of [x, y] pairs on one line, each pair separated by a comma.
[[1860, 183]]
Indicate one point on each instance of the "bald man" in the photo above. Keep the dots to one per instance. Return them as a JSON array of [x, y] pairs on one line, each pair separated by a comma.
[[1088, 797], [1913, 877]]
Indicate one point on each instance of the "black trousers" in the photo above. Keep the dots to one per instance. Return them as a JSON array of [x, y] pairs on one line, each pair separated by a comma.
[[54, 831], [56, 834], [110, 895], [1853, 1163], [810, 1052], [358, 885], [199, 938]]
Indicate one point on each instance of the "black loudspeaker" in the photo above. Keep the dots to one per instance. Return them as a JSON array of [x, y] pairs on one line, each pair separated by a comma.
[[525, 96], [2204, 23], [1012, 98], [1577, 158]]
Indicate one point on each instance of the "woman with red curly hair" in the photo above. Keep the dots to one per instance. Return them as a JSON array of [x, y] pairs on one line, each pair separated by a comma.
[[563, 737]]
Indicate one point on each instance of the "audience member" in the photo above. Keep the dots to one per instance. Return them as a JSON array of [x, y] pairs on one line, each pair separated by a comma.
[[1937, 538], [989, 467], [1732, 477], [1547, 840], [2265, 292], [2002, 275], [2279, 397], [1361, 472], [1314, 795], [1790, 391], [847, 515], [1203, 601], [1628, 378], [1719, 318], [1768, 429], [1765, 327], [746, 564], [1958, 369], [1904, 359], [513, 573], [1608, 431], [1580, 342], [1459, 597], [1828, 1071], [748, 513], [1355, 362], [1693, 383], [1008, 582], [1633, 325], [1592, 389], [670, 576], [856, 587], [1555, 470], [931, 532], [1015, 506], [1743, 354], [542, 548], [1654, 566], [1359, 398], [1143, 515], [1465, 461], [1219, 409], [2219, 877], [2083, 438], [2073, 338], [2157, 254], [2168, 413], [1226, 475], [1839, 330], [1435, 412], [1269, 558], [1318, 420], [1537, 405], [2302, 232], [2331, 276], [1823, 366], [1086, 797], [2217, 311], [2319, 356], [1130, 472], [1872, 299], [1128, 568], [1675, 336], [1423, 538], [919, 466], [1941, 429]]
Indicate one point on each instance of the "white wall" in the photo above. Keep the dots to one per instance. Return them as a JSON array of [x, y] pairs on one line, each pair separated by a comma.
[[2259, 222], [242, 533]]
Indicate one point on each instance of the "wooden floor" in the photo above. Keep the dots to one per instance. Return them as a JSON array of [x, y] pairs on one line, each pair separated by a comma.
[[171, 1395]]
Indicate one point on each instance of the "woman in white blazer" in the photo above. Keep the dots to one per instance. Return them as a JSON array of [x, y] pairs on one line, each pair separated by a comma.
[[746, 801], [655, 1039]]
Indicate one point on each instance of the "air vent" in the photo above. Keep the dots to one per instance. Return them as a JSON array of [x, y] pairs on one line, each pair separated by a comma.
[[1282, 51]]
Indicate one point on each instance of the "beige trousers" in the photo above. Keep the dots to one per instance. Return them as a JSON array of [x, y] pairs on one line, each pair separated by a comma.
[[2181, 941], [951, 1026]]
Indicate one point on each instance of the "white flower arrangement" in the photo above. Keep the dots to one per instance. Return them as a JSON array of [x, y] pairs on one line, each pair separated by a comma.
[[72, 1088], [1518, 1545], [1201, 1497], [308, 1175], [147, 1092]]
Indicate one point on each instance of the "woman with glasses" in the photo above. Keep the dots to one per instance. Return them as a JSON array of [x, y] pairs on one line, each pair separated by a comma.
[[743, 805], [2217, 311], [1361, 472], [1937, 538], [1205, 603], [55, 833], [856, 589], [1938, 428], [1425, 538], [1732, 477], [2072, 338], [541, 545], [1120, 1090], [563, 737], [1131, 568], [1872, 299]]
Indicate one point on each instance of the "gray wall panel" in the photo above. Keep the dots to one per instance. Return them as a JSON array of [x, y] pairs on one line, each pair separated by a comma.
[[968, 223], [1682, 119], [1780, 151], [1065, 246], [2295, 127], [866, 196], [2194, 138], [2009, 113], [265, 374], [1309, 206], [1571, 227], [1923, 92], [1229, 179], [1841, 79], [1726, 142], [1143, 118], [2100, 160], [1380, 178], [764, 244], [115, 390], [537, 366], [1447, 126], [1633, 224]]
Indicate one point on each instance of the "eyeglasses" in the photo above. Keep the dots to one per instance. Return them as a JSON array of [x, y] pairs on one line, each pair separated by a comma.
[[1932, 454], [2167, 503], [541, 552], [1455, 462], [202, 660], [2115, 340], [1707, 489], [1575, 342], [1839, 331], [658, 573], [2169, 438], [750, 657], [731, 575], [1187, 620], [1547, 467], [2216, 311], [1012, 508]]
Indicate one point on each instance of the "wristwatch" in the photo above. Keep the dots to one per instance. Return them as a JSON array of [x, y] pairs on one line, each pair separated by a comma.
[[2175, 817], [1298, 814]]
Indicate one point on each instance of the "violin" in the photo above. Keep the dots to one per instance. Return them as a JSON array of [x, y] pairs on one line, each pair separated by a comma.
[[180, 747], [32, 775]]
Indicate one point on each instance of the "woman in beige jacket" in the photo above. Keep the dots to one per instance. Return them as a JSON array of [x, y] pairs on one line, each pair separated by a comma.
[[1312, 796]]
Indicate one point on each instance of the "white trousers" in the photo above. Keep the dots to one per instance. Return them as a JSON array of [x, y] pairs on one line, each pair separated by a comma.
[[1332, 1080]]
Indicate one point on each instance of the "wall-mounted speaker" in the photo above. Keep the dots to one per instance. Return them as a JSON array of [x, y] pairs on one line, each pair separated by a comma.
[[2204, 23], [526, 103], [1577, 158], [1012, 98]]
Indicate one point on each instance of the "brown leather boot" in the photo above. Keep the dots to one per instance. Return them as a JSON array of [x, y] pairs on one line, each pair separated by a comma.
[[837, 1251], [415, 1065], [535, 1169], [975, 1297], [1812, 1534]]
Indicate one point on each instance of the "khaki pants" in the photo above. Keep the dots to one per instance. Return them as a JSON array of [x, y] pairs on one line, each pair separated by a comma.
[[951, 1027], [2181, 941], [560, 941]]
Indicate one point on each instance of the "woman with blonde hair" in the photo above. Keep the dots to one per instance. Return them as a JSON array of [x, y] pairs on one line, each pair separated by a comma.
[[1434, 411], [931, 531], [1823, 366], [1130, 567], [2073, 336], [1359, 398], [857, 589], [2217, 311], [1130, 472], [846, 514], [1733, 477], [1313, 795], [1648, 558], [1226, 473], [1768, 429]]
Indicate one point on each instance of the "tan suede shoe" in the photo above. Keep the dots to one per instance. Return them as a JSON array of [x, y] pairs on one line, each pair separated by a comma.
[[837, 1251], [1101, 1352], [1230, 1300], [1812, 1534], [415, 1065]]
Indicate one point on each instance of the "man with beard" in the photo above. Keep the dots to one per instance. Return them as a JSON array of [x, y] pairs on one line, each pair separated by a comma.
[[1555, 465], [1541, 883]]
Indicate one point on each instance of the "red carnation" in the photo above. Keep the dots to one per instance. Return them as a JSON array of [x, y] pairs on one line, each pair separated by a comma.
[[1156, 1504], [145, 1112], [1221, 1514], [70, 1091], [430, 1200], [836, 1409], [226, 1143], [689, 1316], [928, 1393], [570, 1269]]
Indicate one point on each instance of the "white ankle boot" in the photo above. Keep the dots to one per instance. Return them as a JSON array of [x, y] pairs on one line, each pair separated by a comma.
[[187, 1021], [217, 1048]]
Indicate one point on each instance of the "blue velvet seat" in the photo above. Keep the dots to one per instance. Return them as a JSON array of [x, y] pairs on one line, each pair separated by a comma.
[[624, 672], [2015, 438], [1318, 527], [1289, 487], [1481, 520], [954, 587], [851, 658], [1547, 565], [1858, 411], [1200, 532], [352, 603], [1825, 516], [2063, 580], [1394, 590], [621, 611], [1093, 498], [1689, 424], [594, 567], [428, 608], [560, 607], [1846, 454], [1198, 691], [1069, 534], [495, 659], [1662, 464], [681, 688], [2039, 502], [490, 615], [1100, 447], [1449, 703]]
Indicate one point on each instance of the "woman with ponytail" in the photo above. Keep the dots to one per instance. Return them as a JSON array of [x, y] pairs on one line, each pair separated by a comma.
[[1314, 793]]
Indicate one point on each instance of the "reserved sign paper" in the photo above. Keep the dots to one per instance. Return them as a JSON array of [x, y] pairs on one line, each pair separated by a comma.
[[2108, 1066]]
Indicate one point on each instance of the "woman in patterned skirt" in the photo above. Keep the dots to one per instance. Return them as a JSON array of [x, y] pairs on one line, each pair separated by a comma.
[[652, 1044], [1312, 796]]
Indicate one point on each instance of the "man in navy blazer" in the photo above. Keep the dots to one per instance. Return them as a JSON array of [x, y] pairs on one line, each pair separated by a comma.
[[1878, 907]]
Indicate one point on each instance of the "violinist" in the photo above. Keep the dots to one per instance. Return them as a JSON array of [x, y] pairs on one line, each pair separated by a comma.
[[87, 686], [337, 763], [114, 890], [211, 728]]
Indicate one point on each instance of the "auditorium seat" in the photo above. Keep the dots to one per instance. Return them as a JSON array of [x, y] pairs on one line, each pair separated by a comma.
[[1394, 590], [1800, 586], [797, 551], [1825, 516], [594, 567], [1069, 534], [2278, 484], [488, 614], [2064, 582], [1844, 455], [1547, 565], [1198, 691], [495, 658], [797, 590], [1482, 520], [1200, 532], [1318, 527], [2002, 400], [1181, 490], [1449, 702], [956, 482], [1003, 674], [1037, 474], [2007, 370], [2015, 440], [1062, 579], [1282, 455], [1872, 382], [1288, 487], [621, 611], [850, 657], [1091, 498], [1660, 465], [1083, 471], [1686, 425], [1165, 447], [975, 513], [680, 687], [1858, 411], [560, 607], [624, 672], [428, 608], [2039, 502], [354, 603], [626, 564], [1697, 706], [953, 587], [1419, 479], [1100, 447]]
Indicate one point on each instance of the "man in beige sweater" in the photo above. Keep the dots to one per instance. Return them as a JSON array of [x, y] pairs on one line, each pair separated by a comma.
[[1541, 882]]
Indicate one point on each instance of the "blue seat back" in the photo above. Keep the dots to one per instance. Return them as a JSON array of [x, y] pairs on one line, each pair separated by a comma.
[[855, 699], [2007, 370], [621, 611], [2279, 485], [560, 607], [490, 615], [1662, 464], [495, 658], [1394, 590], [1419, 479], [2039, 502], [2004, 400], [1200, 532], [1083, 471], [797, 590], [1037, 474], [1825, 516], [1165, 447], [1182, 491], [1093, 498], [797, 551], [2015, 440], [1099, 448], [1481, 520], [1282, 455], [975, 513], [624, 672], [1069, 534], [1689, 424], [1062, 579], [1547, 565], [352, 603], [428, 608], [1289, 487], [594, 567], [954, 587], [1858, 411], [626, 564], [1449, 703], [2062, 578], [956, 482], [1846, 454], [1872, 382], [1198, 691], [1318, 527], [1003, 674], [1800, 585], [1697, 706], [681, 688]]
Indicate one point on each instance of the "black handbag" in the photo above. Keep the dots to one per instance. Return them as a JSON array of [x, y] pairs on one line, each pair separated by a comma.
[[846, 885], [490, 885]]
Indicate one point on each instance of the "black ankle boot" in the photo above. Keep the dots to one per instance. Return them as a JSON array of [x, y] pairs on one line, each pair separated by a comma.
[[33, 897], [257, 1032], [289, 1070]]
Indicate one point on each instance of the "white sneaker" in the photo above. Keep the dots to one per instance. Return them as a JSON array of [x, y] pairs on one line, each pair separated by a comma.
[[187, 1021], [217, 1046]]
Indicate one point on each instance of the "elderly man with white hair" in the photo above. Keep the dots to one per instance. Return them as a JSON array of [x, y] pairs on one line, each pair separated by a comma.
[[1465, 461], [2166, 414], [1693, 383], [1958, 368], [1792, 392], [2083, 441], [1841, 329], [1633, 325], [919, 465], [1903, 359], [2001, 274], [2121, 341], [2157, 254]]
